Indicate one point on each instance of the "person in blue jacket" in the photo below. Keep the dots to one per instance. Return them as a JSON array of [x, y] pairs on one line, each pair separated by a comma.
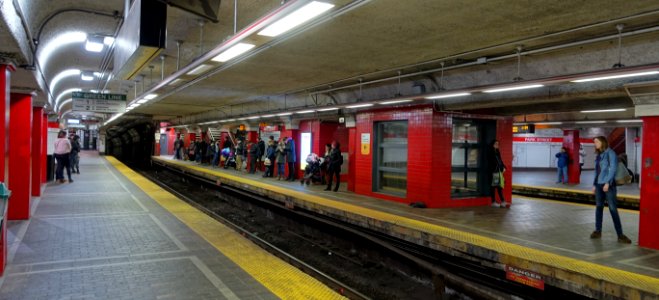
[[291, 158], [561, 164], [604, 187]]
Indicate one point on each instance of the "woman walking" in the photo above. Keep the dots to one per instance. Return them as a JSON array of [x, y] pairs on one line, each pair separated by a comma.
[[604, 187], [497, 168]]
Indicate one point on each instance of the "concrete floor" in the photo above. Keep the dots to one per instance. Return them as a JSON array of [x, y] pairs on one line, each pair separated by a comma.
[[548, 178]]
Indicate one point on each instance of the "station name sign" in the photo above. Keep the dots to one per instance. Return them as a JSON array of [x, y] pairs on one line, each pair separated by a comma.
[[103, 103]]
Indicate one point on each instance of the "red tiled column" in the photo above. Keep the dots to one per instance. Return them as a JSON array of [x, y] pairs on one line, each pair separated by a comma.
[[44, 143], [20, 156], [352, 144], [505, 137], [571, 143], [5, 79], [38, 150], [648, 233]]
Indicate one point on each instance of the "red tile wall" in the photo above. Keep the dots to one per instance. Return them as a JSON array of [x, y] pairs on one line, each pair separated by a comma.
[[352, 144], [429, 156], [649, 210]]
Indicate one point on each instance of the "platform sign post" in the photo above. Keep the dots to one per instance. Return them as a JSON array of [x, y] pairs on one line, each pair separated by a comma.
[[102, 103]]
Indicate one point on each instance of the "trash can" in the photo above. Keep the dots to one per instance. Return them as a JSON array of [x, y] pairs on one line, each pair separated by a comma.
[[4, 201], [50, 168]]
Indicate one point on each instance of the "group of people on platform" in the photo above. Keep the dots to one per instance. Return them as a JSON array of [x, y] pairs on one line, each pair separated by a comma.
[[254, 156], [604, 184], [67, 155]]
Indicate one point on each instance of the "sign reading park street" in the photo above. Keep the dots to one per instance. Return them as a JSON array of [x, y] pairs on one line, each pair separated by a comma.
[[103, 103]]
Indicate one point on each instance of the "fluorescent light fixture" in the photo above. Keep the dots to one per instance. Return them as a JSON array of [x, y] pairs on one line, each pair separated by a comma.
[[61, 75], [513, 88], [254, 117], [150, 96], [603, 110], [629, 121], [175, 81], [284, 114], [47, 49], [232, 52], [296, 18], [199, 69], [87, 76], [360, 105], [141, 101], [448, 96], [617, 76], [590, 122], [59, 107], [304, 112], [267, 116], [73, 121], [94, 44], [395, 102], [329, 109], [65, 93], [231, 120], [242, 119], [548, 123], [108, 40]]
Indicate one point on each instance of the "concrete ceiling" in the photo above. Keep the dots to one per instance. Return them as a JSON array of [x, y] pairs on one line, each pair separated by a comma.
[[378, 35]]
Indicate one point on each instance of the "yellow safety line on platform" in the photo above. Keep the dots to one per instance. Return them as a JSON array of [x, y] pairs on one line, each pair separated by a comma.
[[568, 190], [609, 274], [280, 278]]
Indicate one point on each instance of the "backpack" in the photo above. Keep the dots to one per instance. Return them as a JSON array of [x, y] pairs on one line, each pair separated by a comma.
[[622, 175]]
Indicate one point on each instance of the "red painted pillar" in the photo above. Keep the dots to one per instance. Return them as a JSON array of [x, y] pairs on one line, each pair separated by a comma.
[[20, 156], [44, 143], [352, 142], [571, 143], [5, 80], [38, 150], [505, 137], [648, 233]]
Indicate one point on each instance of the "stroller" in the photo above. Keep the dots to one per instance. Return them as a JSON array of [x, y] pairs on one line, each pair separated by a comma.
[[312, 170], [229, 158]]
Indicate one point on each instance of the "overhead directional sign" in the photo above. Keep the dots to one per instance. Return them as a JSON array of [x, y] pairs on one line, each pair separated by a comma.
[[103, 103]]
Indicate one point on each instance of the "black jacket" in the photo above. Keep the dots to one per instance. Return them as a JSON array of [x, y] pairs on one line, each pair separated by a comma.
[[261, 152], [494, 161], [335, 159]]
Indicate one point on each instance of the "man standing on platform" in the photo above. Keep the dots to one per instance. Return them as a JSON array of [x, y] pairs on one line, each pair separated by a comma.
[[290, 158], [62, 155]]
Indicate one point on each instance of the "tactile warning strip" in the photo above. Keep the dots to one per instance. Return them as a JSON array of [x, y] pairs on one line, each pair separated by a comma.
[[280, 278], [514, 252]]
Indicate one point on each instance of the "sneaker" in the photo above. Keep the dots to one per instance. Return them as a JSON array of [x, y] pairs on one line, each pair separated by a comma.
[[596, 235], [494, 204], [505, 205], [623, 239]]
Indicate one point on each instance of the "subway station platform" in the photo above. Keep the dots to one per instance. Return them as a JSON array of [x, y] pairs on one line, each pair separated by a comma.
[[548, 237], [542, 183], [112, 234]]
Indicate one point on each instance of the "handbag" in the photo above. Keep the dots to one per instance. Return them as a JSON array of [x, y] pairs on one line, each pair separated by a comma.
[[496, 179], [502, 180], [267, 162]]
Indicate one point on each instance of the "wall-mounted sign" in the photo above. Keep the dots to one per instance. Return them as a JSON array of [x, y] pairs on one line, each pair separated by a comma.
[[366, 144], [103, 103], [528, 128]]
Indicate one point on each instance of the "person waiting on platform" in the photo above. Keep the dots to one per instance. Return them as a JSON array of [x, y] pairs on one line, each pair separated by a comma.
[[240, 155], [270, 154], [177, 148], [261, 154], [561, 165], [604, 187], [291, 158], [582, 156], [75, 154], [62, 156], [334, 166], [497, 169], [325, 162], [253, 157], [281, 159]]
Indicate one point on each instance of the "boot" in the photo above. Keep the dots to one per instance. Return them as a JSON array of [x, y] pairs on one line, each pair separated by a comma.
[[336, 188], [328, 188]]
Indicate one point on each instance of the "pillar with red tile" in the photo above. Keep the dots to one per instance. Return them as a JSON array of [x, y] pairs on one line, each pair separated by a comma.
[[38, 151], [571, 143], [649, 203], [20, 156], [5, 79], [44, 143]]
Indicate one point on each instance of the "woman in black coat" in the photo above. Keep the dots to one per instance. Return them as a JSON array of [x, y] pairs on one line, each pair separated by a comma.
[[497, 168]]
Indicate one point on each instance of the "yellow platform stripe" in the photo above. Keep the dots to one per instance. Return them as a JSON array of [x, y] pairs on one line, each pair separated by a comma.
[[569, 190], [600, 272], [282, 279]]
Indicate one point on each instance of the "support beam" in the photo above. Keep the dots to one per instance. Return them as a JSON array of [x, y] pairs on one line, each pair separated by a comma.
[[649, 209], [571, 143], [20, 156], [38, 151]]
